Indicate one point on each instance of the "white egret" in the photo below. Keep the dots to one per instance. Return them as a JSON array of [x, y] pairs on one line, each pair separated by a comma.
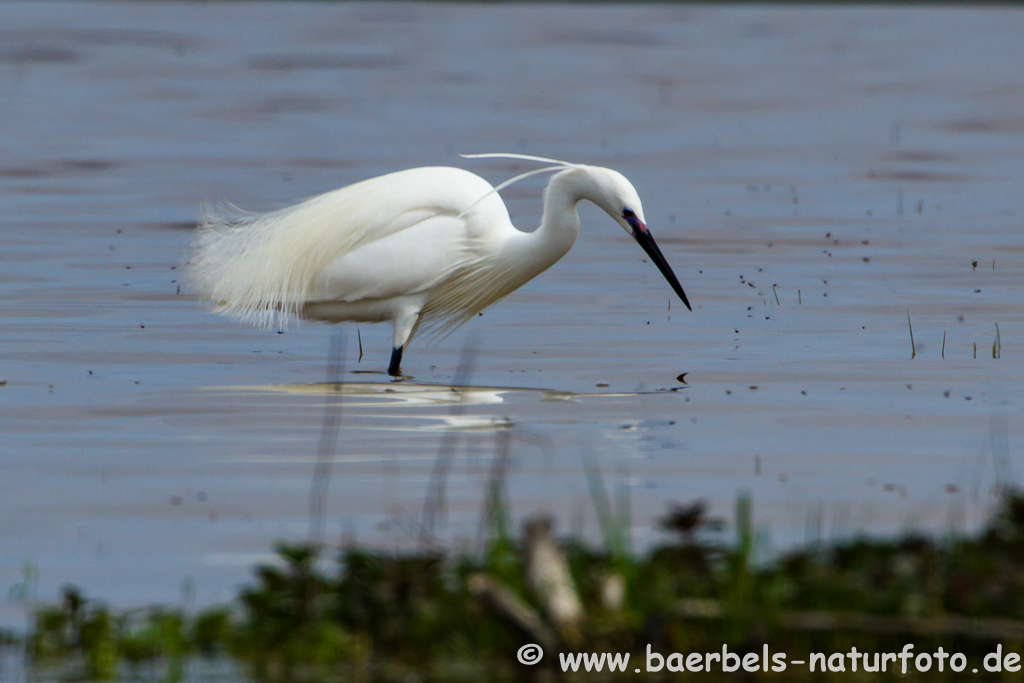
[[426, 245]]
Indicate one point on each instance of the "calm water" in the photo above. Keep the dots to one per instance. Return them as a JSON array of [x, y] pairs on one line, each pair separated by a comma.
[[852, 163]]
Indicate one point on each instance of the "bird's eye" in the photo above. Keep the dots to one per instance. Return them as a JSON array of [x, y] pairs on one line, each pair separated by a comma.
[[628, 213]]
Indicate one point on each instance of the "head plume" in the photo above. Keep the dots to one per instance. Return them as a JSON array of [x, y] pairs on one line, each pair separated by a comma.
[[556, 165]]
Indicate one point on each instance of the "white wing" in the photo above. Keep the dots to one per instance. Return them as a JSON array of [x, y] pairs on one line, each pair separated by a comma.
[[456, 263], [405, 263], [265, 267]]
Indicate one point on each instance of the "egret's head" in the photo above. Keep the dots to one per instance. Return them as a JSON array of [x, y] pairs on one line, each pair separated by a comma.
[[609, 190], [617, 196], [619, 199]]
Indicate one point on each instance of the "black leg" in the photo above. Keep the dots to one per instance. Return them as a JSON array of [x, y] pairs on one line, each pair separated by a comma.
[[394, 368]]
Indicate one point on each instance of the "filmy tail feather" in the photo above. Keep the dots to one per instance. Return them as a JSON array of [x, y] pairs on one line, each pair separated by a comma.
[[260, 267], [231, 248]]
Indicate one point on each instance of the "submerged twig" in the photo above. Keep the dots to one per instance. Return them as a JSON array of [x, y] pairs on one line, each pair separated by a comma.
[[913, 348]]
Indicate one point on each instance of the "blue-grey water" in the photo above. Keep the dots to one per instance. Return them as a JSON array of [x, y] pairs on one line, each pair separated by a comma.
[[813, 175]]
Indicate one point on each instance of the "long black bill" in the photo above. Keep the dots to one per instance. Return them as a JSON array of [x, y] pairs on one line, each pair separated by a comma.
[[645, 239]]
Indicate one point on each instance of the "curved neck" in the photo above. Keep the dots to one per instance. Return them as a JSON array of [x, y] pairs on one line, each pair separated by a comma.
[[536, 251], [560, 224]]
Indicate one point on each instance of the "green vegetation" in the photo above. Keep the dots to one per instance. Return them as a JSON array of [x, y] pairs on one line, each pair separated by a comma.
[[438, 616]]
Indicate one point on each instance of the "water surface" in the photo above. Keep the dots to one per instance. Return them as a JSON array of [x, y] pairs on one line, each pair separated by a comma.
[[813, 176]]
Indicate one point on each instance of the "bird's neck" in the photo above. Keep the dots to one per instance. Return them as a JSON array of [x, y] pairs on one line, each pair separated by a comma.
[[560, 224], [536, 251]]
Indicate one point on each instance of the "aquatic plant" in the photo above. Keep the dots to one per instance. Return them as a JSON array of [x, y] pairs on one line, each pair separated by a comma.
[[440, 615]]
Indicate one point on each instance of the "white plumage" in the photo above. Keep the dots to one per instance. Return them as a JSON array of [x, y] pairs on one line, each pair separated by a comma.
[[429, 245]]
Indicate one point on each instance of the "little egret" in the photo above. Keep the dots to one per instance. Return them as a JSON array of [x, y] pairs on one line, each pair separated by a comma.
[[426, 245]]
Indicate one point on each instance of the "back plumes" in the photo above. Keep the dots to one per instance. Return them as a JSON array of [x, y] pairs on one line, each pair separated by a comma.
[[259, 267], [231, 248]]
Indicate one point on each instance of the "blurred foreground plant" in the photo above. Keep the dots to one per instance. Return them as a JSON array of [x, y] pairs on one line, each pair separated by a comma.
[[445, 616]]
